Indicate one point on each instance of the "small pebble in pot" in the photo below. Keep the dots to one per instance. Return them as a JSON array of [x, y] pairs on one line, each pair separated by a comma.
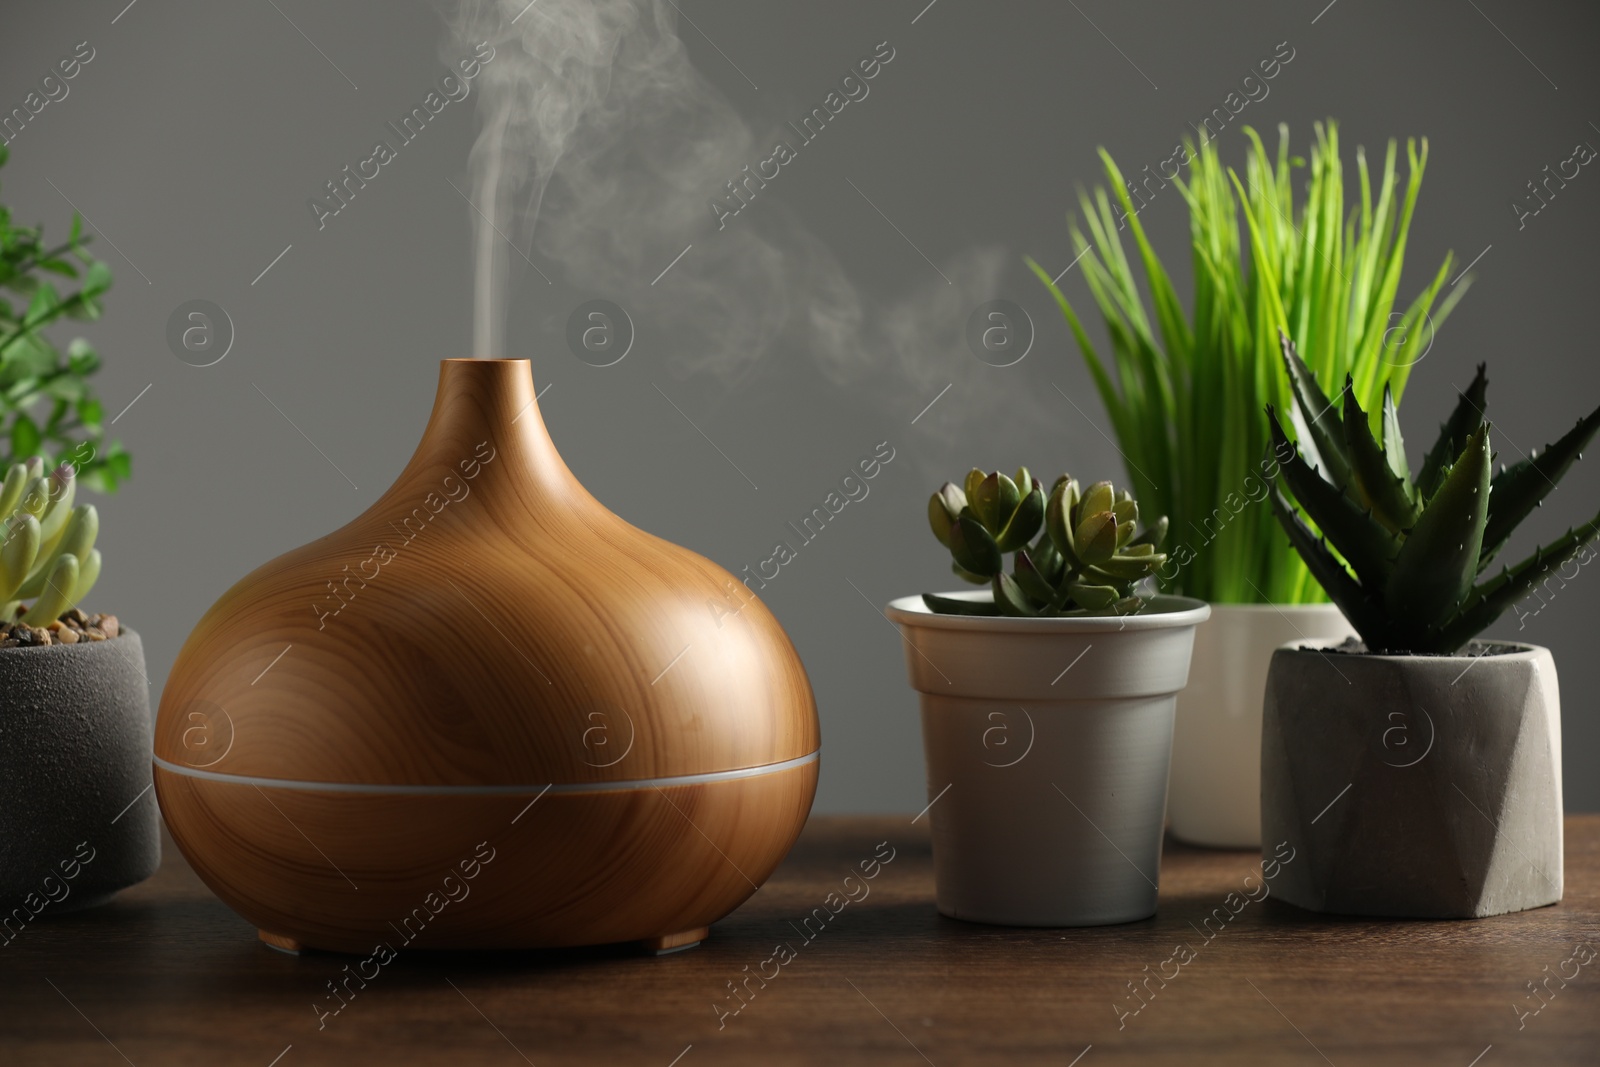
[[72, 628]]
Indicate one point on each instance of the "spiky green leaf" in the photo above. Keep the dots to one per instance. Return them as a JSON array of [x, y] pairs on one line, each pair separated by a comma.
[[1394, 445], [1520, 487], [1439, 561], [1491, 599], [1453, 434], [1359, 607], [1319, 414], [1388, 496], [1366, 544]]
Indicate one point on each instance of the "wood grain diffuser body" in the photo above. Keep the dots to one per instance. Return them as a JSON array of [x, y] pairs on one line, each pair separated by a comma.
[[487, 713]]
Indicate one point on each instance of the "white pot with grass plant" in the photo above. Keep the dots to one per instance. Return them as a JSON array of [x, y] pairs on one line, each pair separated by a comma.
[[1417, 772], [1185, 395], [1047, 702]]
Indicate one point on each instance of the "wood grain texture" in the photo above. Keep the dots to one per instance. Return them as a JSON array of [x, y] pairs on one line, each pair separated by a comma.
[[495, 625], [172, 977], [486, 623], [348, 871]]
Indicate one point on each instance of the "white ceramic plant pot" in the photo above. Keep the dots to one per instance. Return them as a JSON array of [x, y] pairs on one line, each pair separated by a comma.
[[1047, 744], [1215, 796], [1414, 786]]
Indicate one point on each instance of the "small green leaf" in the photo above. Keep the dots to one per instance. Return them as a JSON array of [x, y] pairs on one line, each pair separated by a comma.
[[11, 492], [82, 359], [974, 479], [941, 515], [995, 500], [1030, 580], [973, 546], [1130, 568], [945, 605], [1024, 522], [1058, 516], [43, 305], [1025, 481], [97, 279], [1153, 535], [1098, 497], [25, 437], [1096, 537], [1095, 597], [17, 554], [88, 574], [61, 581], [119, 463], [1047, 559], [967, 576], [1012, 600]]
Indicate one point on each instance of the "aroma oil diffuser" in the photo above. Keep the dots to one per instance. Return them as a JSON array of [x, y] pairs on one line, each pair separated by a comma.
[[487, 713]]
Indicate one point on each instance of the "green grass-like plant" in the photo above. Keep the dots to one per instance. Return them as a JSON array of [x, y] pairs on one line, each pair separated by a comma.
[[1185, 392]]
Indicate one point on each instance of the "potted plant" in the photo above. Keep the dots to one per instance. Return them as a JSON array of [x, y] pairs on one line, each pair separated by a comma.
[[1417, 771], [1047, 702], [1185, 394], [75, 718]]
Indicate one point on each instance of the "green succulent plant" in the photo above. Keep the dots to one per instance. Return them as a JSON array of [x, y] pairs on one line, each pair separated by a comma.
[[1411, 548], [1075, 549], [46, 544]]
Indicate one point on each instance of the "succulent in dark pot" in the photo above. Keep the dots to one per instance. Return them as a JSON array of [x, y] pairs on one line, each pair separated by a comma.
[[76, 824]]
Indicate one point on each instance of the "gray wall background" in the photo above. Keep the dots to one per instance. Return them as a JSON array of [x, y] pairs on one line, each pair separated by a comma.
[[195, 136]]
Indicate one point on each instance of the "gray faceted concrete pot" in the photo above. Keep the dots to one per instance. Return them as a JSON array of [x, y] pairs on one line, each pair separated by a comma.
[[76, 821], [1414, 786], [1048, 744]]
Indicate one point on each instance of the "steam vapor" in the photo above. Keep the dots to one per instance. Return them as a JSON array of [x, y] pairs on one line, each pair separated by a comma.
[[594, 124]]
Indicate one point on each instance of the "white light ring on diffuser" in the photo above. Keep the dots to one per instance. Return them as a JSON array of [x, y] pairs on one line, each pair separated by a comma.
[[374, 788]]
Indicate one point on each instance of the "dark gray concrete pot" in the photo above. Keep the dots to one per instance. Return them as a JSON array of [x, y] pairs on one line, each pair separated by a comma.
[[76, 822], [1414, 786]]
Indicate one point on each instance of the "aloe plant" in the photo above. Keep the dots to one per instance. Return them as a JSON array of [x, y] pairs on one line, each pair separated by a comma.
[[1410, 549], [1184, 391], [46, 544], [1075, 550]]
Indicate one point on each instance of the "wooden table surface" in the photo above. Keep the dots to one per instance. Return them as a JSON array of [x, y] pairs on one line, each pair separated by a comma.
[[167, 975]]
